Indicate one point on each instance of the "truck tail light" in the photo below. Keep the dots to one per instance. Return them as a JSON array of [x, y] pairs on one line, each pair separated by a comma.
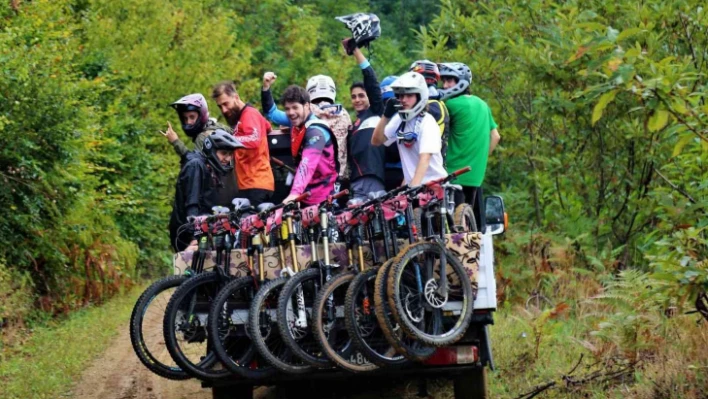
[[463, 354]]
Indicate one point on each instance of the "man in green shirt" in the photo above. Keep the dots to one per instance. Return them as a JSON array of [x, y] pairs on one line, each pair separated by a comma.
[[473, 134]]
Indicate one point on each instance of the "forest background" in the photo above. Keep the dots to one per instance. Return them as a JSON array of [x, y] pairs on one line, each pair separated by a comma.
[[603, 161]]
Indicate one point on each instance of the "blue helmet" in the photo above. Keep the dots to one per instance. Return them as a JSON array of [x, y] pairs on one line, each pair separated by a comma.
[[386, 90]]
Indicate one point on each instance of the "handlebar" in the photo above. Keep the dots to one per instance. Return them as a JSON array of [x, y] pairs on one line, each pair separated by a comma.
[[283, 205], [461, 171], [281, 163], [338, 195]]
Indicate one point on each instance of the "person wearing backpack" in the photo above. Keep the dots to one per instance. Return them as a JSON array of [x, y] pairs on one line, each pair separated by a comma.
[[323, 94], [313, 145], [436, 108], [407, 123]]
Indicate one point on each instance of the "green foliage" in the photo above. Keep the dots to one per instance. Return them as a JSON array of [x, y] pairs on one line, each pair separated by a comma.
[[601, 107], [49, 362], [84, 90], [15, 296]]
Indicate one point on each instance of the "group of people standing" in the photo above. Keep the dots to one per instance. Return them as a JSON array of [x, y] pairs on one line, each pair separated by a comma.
[[406, 131]]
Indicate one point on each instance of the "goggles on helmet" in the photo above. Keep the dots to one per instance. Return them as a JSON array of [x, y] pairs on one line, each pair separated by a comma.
[[408, 139]]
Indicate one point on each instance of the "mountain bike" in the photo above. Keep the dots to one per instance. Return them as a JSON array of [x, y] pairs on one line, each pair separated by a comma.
[[239, 302], [297, 297], [146, 332], [430, 292], [185, 325]]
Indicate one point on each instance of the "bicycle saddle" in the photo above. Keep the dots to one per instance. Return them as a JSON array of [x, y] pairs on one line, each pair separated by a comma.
[[219, 209], [353, 203], [377, 194], [241, 203], [265, 206]]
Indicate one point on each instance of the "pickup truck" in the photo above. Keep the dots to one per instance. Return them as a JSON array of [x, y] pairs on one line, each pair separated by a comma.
[[465, 362]]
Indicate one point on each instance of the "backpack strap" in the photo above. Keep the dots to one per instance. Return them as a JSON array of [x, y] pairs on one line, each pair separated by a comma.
[[328, 135], [443, 114]]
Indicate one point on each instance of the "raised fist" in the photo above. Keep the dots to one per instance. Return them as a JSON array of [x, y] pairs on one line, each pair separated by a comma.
[[268, 79]]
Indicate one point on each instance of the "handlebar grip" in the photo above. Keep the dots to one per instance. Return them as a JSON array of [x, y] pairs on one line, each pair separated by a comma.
[[301, 196], [340, 194], [461, 171]]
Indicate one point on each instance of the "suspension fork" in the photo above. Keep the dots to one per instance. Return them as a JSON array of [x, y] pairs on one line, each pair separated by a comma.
[[301, 320], [324, 225], [442, 287], [228, 245], [358, 242], [410, 222], [291, 242], [370, 230], [384, 230], [203, 246]]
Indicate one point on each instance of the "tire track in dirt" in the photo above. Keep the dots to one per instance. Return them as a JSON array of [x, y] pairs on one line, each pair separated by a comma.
[[118, 374]]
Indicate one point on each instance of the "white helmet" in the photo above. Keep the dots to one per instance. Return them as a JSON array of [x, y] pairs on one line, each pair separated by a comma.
[[321, 86], [411, 83]]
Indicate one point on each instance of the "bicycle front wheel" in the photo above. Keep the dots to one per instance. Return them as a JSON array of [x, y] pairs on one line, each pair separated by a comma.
[[264, 331], [146, 328], [363, 327], [410, 348], [433, 302], [295, 317], [330, 328], [228, 324], [185, 327]]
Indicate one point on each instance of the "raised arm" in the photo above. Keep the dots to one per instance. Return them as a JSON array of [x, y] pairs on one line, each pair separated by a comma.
[[371, 83], [270, 110]]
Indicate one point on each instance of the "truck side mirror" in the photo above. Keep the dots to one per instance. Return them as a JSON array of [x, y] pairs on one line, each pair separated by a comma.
[[497, 219]]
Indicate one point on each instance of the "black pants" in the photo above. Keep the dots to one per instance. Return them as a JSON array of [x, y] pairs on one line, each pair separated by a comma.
[[475, 197], [257, 196]]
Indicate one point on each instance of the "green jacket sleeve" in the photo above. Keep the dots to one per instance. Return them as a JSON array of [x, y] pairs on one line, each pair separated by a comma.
[[180, 148], [199, 141]]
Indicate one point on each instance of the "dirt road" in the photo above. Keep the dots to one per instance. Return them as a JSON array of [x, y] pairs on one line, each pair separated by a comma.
[[118, 374]]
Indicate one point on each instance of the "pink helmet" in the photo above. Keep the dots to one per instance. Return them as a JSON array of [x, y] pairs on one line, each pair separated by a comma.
[[192, 102]]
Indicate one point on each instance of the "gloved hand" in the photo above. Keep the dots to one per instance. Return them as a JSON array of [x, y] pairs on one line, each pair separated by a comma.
[[349, 45], [392, 106]]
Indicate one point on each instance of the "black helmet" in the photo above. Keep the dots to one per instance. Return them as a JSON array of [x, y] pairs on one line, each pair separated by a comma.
[[219, 140], [365, 27]]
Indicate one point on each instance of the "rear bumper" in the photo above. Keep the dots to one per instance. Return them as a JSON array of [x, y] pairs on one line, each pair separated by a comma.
[[476, 339], [417, 370]]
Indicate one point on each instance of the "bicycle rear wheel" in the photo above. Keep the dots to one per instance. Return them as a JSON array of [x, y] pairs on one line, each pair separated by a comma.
[[421, 304]]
